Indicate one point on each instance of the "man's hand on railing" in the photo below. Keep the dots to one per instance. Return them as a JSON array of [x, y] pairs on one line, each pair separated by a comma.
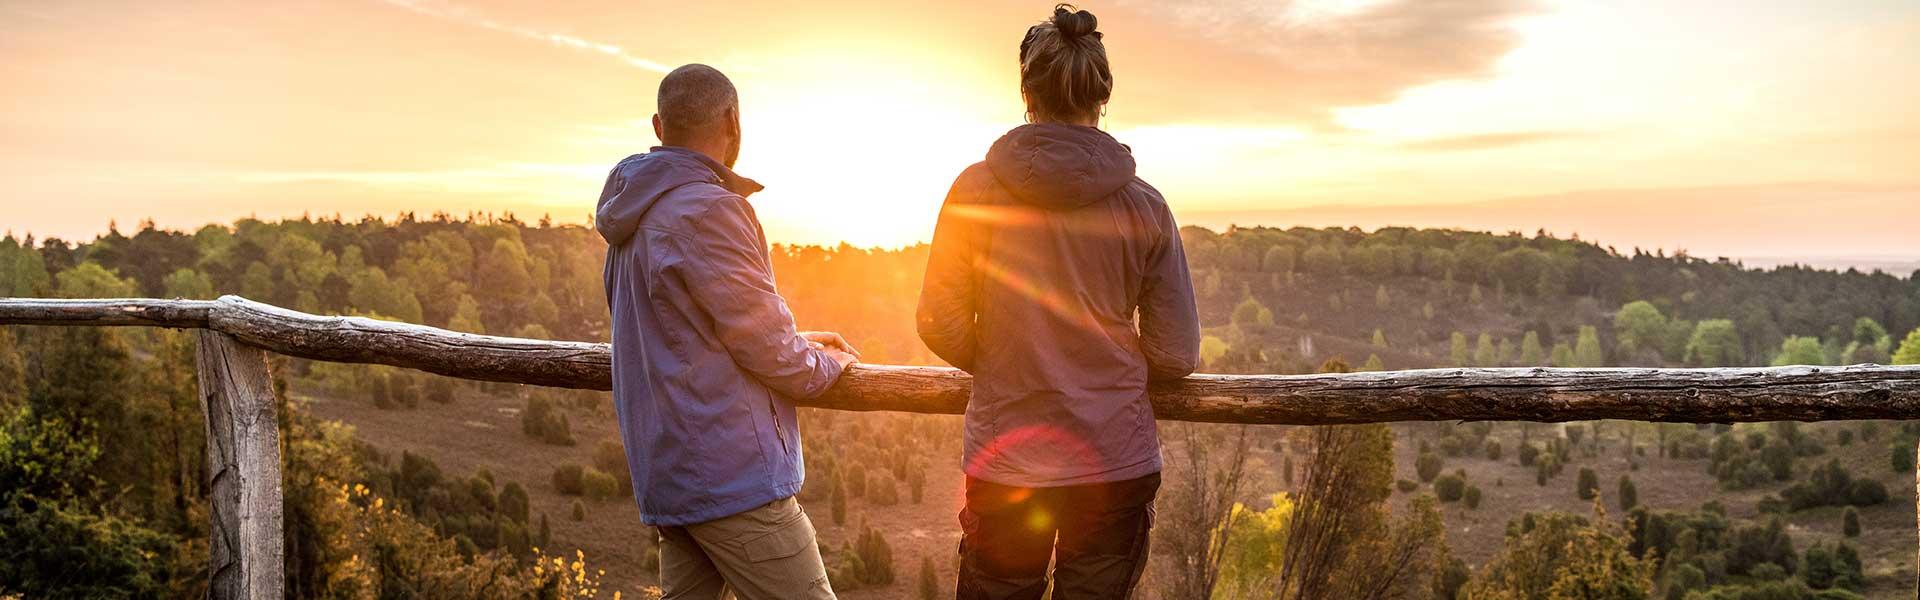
[[829, 341]]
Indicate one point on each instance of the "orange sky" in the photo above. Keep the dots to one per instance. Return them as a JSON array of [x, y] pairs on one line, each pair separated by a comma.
[[1500, 114]]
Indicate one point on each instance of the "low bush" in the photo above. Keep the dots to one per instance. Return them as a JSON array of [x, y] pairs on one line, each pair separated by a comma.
[[567, 479], [1428, 466], [1449, 488], [599, 485], [882, 489]]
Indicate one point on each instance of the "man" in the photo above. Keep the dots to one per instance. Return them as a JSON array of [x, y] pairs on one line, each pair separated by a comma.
[[706, 360]]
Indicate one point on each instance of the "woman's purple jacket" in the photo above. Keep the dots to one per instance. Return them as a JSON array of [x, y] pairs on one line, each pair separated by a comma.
[[1058, 280]]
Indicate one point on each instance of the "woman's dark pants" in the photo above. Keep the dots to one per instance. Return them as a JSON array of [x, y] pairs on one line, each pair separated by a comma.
[[1094, 536]]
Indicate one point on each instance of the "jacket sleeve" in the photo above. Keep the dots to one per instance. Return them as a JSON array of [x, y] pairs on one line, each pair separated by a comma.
[[1169, 320], [948, 298], [731, 280]]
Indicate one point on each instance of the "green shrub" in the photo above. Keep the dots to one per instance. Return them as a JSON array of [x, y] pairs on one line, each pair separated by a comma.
[[929, 581], [598, 485], [1866, 492], [1405, 485], [1850, 522], [439, 389], [1529, 453], [1901, 458], [1449, 488], [541, 421], [1588, 486], [1493, 450], [513, 502], [1683, 578], [55, 551], [882, 490], [579, 511], [856, 480], [1472, 497], [1629, 494], [609, 456], [838, 499], [1428, 466], [567, 479]]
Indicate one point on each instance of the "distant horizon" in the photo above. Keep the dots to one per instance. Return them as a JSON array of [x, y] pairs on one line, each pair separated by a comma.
[[1899, 264]]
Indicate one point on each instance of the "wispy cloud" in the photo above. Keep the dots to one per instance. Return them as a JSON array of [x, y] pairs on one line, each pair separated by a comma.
[[457, 14], [1287, 62], [1485, 141]]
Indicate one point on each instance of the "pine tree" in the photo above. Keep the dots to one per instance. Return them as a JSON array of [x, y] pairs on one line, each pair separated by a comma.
[[1458, 349], [1562, 355], [1379, 338], [1588, 485], [546, 533], [1531, 354], [929, 582], [1484, 354], [1373, 364], [838, 498], [1586, 351]]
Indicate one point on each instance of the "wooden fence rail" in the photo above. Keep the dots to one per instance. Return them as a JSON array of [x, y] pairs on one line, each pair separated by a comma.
[[244, 455], [1800, 393]]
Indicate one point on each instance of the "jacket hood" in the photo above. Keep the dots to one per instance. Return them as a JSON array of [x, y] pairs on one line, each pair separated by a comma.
[[641, 180], [1054, 165]]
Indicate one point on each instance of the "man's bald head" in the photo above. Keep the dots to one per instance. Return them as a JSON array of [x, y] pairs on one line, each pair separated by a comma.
[[694, 105]]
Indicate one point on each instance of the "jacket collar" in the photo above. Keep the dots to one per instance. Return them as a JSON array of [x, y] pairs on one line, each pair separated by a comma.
[[723, 176]]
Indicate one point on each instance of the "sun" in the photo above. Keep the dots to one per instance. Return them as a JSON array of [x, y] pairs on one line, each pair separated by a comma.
[[863, 156]]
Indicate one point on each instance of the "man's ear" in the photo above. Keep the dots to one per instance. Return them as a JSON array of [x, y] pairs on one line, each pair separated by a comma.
[[733, 120], [659, 131]]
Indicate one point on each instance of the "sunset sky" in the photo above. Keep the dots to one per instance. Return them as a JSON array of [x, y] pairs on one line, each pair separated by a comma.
[[1761, 128]]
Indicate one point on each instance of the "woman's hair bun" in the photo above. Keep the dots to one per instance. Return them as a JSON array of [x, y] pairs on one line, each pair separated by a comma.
[[1072, 22]]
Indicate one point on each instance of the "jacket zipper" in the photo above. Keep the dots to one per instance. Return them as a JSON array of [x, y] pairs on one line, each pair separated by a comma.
[[777, 431]]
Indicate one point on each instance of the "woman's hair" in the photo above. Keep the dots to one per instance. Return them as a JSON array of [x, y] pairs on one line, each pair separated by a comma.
[[1063, 67]]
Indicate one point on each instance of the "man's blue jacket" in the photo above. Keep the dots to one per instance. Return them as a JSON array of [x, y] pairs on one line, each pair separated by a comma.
[[705, 356]]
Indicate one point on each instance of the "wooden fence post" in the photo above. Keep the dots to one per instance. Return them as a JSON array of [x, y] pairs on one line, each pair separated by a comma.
[[243, 465]]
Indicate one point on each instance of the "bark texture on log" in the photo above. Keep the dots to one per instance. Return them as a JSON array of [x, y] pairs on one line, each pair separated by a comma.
[[431, 349], [145, 312], [1515, 394], [243, 464]]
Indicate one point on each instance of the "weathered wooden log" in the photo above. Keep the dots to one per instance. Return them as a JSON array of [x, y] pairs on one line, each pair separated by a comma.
[[451, 353], [117, 311], [243, 465], [1515, 394]]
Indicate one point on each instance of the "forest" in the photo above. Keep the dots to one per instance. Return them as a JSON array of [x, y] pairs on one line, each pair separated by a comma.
[[401, 484]]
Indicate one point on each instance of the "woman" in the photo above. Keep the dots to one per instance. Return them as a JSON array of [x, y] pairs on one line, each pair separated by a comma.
[[1058, 280]]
